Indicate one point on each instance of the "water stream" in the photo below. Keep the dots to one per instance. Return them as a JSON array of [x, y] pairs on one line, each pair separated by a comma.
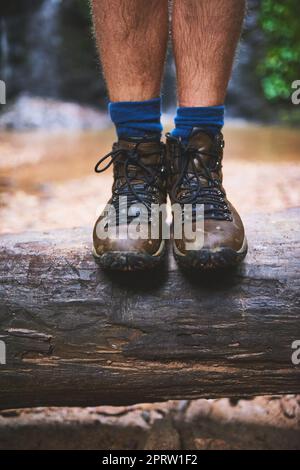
[[43, 49]]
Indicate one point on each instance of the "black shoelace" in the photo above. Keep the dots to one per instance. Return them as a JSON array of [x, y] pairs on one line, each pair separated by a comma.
[[192, 191], [146, 190]]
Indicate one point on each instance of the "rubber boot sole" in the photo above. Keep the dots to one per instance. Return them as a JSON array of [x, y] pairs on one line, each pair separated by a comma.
[[208, 260], [130, 260]]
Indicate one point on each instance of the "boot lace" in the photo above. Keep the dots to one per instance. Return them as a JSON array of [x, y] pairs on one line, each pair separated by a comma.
[[192, 191], [141, 188]]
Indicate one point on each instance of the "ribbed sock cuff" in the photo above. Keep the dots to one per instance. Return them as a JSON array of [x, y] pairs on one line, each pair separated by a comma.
[[136, 118], [210, 118]]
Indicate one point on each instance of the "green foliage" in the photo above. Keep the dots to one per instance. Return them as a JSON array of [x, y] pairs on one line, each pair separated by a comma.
[[281, 64]]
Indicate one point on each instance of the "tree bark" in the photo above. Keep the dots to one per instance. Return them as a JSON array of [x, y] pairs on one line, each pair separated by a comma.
[[76, 336]]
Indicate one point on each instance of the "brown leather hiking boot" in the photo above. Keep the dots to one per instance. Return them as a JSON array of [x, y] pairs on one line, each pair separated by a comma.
[[195, 177], [139, 182]]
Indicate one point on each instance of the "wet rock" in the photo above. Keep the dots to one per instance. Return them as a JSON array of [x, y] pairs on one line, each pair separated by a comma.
[[205, 424]]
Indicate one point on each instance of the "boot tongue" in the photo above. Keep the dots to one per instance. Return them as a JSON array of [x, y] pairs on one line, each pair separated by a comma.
[[145, 147], [202, 141], [149, 153]]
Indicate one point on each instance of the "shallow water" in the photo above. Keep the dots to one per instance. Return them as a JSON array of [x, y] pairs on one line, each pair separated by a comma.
[[47, 179]]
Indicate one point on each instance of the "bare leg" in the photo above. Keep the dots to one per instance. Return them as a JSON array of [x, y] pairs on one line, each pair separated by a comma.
[[132, 39], [205, 36]]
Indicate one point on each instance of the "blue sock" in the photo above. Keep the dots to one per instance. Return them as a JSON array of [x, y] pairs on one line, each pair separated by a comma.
[[210, 118], [137, 118]]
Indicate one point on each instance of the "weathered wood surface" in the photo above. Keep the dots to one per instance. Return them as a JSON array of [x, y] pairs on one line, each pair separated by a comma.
[[77, 336]]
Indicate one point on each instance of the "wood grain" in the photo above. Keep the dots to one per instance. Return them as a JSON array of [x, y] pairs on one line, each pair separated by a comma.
[[78, 336]]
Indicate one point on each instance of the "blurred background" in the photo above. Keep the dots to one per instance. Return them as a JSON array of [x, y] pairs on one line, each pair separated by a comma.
[[47, 50], [54, 128]]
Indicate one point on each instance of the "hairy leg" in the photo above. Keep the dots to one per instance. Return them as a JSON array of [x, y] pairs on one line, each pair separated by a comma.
[[132, 39], [205, 36]]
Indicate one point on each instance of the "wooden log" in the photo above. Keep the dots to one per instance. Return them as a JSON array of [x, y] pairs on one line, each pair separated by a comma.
[[75, 335]]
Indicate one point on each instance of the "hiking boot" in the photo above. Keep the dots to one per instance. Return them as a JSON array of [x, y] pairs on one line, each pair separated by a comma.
[[139, 181], [195, 177]]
